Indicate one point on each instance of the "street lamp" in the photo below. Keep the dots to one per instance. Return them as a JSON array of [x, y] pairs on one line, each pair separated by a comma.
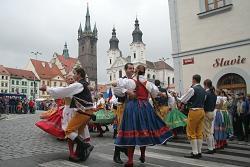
[[164, 59], [34, 83]]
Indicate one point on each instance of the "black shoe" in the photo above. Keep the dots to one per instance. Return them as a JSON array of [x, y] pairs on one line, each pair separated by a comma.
[[209, 152], [194, 156], [142, 159], [74, 159], [199, 155], [117, 158], [87, 152], [78, 140]]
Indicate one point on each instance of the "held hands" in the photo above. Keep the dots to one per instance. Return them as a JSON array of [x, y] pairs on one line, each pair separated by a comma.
[[131, 94], [43, 88]]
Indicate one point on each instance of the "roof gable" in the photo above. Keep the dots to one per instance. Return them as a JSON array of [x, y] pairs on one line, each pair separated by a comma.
[[19, 73], [46, 70]]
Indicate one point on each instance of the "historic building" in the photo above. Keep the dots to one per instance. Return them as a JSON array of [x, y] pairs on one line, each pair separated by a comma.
[[48, 73], [87, 50], [211, 38], [64, 62], [23, 82], [4, 80], [137, 55]]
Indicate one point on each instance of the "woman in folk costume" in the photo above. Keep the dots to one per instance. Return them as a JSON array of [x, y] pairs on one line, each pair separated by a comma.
[[219, 125], [140, 126], [52, 124], [226, 119], [52, 110], [174, 118], [209, 107]]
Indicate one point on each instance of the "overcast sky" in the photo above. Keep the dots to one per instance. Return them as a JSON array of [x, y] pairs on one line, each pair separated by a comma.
[[45, 25]]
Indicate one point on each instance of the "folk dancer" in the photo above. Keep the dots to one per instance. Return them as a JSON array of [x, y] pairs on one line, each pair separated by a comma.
[[209, 107], [67, 115], [140, 126], [195, 96], [122, 97], [81, 96]]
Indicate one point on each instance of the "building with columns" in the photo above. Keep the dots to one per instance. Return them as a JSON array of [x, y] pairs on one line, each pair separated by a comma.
[[211, 38], [137, 55], [87, 40]]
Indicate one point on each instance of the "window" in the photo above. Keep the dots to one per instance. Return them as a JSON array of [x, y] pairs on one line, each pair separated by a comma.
[[6, 84], [1, 91], [35, 84], [17, 82], [82, 48], [214, 4], [168, 80], [12, 89], [47, 83], [148, 76], [61, 84], [5, 91], [110, 77], [31, 84], [153, 76], [134, 55], [2, 84], [54, 83], [12, 82], [23, 83], [110, 62], [120, 74], [6, 77], [173, 80], [2, 77]]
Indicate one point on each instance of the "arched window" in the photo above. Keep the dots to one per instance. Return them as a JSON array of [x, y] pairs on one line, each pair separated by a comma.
[[134, 55]]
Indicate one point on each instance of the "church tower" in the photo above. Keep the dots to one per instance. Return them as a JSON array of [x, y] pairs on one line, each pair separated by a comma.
[[87, 50], [114, 51], [65, 51], [137, 47]]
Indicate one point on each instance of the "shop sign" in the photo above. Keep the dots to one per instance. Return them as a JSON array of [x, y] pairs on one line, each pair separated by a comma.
[[220, 62], [188, 61]]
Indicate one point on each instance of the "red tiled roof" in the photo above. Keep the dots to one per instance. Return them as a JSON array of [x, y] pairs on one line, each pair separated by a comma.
[[46, 70], [3, 70], [162, 65], [68, 63], [19, 73]]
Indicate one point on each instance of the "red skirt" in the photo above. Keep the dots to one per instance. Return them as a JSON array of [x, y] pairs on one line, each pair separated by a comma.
[[53, 124]]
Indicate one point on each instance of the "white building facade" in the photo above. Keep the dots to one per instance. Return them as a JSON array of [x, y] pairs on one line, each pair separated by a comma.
[[211, 38], [4, 80], [137, 55]]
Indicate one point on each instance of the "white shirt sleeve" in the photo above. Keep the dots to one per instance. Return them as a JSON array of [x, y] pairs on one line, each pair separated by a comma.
[[171, 100], [152, 89], [69, 91], [187, 95]]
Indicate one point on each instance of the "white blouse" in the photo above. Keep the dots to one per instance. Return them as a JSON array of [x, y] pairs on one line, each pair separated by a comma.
[[129, 84]]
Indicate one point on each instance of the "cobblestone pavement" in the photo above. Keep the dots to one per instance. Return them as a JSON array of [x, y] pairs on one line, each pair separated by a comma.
[[22, 144]]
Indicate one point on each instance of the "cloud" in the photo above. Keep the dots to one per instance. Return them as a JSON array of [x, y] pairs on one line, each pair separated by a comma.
[[44, 26]]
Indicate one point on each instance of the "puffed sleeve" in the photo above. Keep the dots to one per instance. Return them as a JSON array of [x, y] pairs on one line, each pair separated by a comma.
[[152, 89]]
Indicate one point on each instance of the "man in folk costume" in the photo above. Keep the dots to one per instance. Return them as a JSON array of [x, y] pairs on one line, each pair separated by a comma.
[[195, 96], [67, 115], [129, 70], [83, 105], [209, 107]]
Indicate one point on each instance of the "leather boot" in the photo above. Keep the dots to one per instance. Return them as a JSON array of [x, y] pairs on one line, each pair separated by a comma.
[[117, 158], [84, 150]]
